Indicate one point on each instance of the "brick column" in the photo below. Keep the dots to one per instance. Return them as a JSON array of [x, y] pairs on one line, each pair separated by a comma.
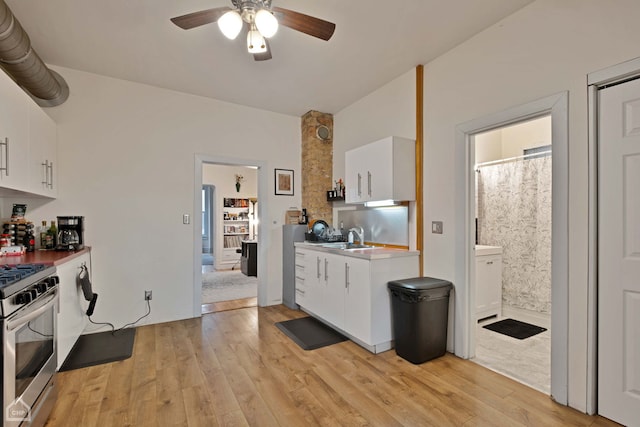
[[317, 166]]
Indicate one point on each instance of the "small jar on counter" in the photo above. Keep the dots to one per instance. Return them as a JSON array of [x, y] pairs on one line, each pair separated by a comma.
[[5, 240]]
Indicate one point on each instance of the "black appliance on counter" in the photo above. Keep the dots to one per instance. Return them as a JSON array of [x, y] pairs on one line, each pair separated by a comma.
[[70, 233]]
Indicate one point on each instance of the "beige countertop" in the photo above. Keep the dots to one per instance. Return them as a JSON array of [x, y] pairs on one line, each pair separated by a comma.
[[377, 252]]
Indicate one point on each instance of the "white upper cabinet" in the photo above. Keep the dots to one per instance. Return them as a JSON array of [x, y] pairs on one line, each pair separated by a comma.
[[28, 143], [14, 136], [42, 153], [381, 170]]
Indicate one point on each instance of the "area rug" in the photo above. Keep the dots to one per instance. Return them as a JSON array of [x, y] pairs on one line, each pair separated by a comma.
[[310, 333], [515, 328], [99, 348], [227, 285]]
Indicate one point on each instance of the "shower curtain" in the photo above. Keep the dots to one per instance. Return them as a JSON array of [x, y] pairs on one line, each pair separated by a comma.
[[514, 211]]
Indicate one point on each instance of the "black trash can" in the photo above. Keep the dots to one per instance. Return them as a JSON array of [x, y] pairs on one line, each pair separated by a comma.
[[420, 310]]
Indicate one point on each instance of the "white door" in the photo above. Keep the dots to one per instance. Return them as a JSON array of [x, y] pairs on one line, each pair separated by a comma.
[[619, 253]]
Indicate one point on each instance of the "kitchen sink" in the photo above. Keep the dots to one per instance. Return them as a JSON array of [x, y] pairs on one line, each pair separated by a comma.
[[357, 246], [347, 246]]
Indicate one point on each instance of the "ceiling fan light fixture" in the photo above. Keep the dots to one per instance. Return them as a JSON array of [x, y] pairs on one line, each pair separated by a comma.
[[267, 23], [230, 24], [255, 42]]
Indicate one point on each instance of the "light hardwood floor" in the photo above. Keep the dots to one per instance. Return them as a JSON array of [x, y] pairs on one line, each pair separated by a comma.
[[236, 368], [214, 307]]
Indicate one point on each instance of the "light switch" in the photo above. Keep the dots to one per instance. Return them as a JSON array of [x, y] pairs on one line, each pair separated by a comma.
[[186, 219], [436, 227]]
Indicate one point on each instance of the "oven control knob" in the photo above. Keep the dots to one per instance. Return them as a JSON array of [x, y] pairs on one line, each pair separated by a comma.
[[34, 294], [52, 281], [23, 298], [42, 287]]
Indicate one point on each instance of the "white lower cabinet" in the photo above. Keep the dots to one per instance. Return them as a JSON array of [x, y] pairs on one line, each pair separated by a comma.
[[350, 293], [72, 305], [488, 282], [358, 299], [301, 285]]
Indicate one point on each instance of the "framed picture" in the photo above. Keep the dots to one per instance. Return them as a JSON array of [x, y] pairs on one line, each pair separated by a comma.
[[284, 182]]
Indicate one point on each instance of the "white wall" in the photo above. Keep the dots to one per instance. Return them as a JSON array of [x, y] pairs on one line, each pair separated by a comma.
[[531, 134], [511, 141], [545, 48], [389, 111], [126, 155]]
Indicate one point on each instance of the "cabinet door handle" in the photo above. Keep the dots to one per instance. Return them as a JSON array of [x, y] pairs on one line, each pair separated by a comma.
[[346, 275], [45, 168], [318, 267], [5, 168], [326, 275], [51, 175], [359, 184], [489, 262], [6, 164], [369, 182]]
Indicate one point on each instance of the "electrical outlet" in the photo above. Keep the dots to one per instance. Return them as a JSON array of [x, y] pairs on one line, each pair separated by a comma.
[[436, 227], [148, 295]]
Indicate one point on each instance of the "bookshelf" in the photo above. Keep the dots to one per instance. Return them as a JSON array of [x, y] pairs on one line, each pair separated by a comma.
[[235, 227]]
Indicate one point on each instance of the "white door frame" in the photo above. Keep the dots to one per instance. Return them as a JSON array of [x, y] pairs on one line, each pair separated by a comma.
[[596, 80], [557, 106], [199, 161]]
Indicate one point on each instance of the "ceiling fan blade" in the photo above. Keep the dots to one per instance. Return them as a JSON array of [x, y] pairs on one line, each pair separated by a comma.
[[196, 19], [315, 27], [264, 55]]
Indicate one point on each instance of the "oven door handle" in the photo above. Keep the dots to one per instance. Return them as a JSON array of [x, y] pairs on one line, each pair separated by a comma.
[[15, 323]]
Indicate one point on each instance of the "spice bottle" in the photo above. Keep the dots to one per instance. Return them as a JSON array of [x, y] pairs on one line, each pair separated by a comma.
[[43, 235]]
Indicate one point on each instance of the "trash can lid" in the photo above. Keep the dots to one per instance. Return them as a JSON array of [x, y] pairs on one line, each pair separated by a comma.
[[420, 284]]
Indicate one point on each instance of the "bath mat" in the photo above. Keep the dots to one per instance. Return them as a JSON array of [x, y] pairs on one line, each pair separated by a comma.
[[310, 333], [103, 347], [515, 328]]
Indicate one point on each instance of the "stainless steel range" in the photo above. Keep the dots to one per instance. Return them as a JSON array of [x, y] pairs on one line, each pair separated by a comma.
[[28, 302]]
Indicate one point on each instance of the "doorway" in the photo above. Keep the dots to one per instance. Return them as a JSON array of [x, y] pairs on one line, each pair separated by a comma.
[[513, 251], [230, 215], [555, 106], [236, 186]]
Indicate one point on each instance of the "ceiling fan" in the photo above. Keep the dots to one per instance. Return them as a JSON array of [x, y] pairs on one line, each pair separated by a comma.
[[261, 21]]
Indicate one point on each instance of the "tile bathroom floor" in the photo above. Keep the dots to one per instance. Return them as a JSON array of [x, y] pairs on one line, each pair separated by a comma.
[[527, 361]]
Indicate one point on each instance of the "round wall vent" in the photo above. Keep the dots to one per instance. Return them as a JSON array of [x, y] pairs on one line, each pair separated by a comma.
[[323, 133]]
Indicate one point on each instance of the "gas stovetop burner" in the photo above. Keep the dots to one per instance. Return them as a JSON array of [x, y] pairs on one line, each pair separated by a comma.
[[13, 273]]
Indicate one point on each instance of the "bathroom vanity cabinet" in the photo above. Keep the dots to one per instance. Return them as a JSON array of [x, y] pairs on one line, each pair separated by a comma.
[[488, 281]]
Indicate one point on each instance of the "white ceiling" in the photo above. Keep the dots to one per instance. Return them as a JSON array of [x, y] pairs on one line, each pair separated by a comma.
[[374, 42]]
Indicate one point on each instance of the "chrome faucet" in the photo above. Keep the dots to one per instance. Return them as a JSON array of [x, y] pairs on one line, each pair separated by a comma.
[[359, 231]]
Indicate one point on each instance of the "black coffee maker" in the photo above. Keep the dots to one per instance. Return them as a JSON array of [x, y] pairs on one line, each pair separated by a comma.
[[70, 233]]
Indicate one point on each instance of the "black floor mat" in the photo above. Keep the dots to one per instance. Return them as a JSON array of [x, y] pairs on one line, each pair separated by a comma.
[[515, 328], [103, 347], [310, 333]]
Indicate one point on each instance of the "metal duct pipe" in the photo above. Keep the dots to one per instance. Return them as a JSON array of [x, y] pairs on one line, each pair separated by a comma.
[[23, 64]]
